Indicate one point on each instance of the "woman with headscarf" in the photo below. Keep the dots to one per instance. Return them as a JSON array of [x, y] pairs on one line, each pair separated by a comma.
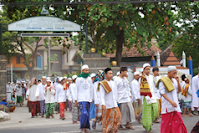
[[31, 96]]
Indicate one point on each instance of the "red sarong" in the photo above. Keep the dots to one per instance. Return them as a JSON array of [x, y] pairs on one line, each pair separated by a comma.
[[61, 108], [172, 123], [38, 107], [33, 108]]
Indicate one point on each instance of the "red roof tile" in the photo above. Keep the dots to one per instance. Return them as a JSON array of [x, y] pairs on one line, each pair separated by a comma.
[[133, 52]]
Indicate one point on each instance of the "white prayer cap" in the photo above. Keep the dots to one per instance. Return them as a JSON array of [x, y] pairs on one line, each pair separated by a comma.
[[43, 77], [118, 73], [84, 67], [92, 75], [146, 65], [65, 77], [60, 79], [136, 73], [74, 77], [69, 79], [48, 80], [8, 82], [171, 68]]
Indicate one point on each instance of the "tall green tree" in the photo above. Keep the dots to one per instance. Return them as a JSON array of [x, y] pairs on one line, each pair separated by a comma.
[[187, 39], [112, 26]]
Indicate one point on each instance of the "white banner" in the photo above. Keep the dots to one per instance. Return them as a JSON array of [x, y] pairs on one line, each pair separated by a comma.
[[43, 23]]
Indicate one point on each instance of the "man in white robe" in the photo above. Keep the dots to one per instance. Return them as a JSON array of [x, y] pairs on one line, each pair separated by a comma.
[[40, 96], [84, 96], [126, 108], [72, 91], [60, 97], [135, 86], [195, 93]]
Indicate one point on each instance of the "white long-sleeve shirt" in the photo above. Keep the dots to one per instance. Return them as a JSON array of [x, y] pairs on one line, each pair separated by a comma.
[[155, 80], [60, 94], [153, 99], [122, 89], [97, 97], [195, 88], [9, 88], [31, 93], [71, 92], [135, 88], [166, 106], [84, 90], [189, 95], [40, 92], [49, 95], [109, 99], [19, 90]]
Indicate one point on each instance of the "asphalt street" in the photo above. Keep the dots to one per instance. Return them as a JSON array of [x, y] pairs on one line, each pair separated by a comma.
[[21, 122], [74, 128]]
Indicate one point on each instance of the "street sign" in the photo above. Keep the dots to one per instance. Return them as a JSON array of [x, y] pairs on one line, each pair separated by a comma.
[[43, 23], [44, 34]]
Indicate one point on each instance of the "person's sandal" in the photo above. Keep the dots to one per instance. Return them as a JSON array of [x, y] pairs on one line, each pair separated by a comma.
[[130, 127], [121, 127], [93, 125]]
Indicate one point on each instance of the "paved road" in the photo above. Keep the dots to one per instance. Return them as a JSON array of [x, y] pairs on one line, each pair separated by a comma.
[[22, 123], [71, 128]]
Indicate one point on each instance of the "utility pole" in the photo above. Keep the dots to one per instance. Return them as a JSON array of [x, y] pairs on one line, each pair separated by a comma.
[[1, 39]]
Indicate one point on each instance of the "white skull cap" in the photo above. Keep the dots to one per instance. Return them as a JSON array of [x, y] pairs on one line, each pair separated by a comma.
[[171, 68], [146, 65], [74, 77], [84, 67], [136, 73]]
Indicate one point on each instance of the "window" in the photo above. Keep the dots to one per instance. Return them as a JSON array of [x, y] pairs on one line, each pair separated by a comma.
[[18, 60], [8, 61]]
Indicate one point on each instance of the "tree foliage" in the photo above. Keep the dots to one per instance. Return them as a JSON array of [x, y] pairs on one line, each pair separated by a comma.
[[188, 38], [112, 26]]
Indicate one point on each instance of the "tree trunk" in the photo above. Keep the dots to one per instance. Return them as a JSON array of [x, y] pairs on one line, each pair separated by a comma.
[[119, 47]]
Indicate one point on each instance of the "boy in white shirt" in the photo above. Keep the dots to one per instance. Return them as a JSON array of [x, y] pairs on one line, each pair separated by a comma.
[[187, 93], [135, 86], [40, 96], [19, 94], [171, 114], [71, 94], [156, 77], [60, 97], [111, 116], [84, 97], [49, 93], [149, 100], [126, 107]]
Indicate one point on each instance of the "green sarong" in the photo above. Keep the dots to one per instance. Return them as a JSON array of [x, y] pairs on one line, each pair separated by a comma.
[[57, 107], [149, 114], [49, 109], [19, 99]]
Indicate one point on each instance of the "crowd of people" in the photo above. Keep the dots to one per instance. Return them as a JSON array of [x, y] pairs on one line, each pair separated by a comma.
[[113, 102]]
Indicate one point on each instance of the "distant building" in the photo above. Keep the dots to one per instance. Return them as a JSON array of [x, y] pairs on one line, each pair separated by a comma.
[[67, 61], [133, 58]]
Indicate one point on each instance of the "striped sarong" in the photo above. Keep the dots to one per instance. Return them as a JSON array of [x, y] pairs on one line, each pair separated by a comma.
[[75, 113], [149, 114], [127, 111]]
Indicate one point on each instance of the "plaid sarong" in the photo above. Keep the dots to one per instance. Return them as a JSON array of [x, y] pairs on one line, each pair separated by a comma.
[[149, 114]]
